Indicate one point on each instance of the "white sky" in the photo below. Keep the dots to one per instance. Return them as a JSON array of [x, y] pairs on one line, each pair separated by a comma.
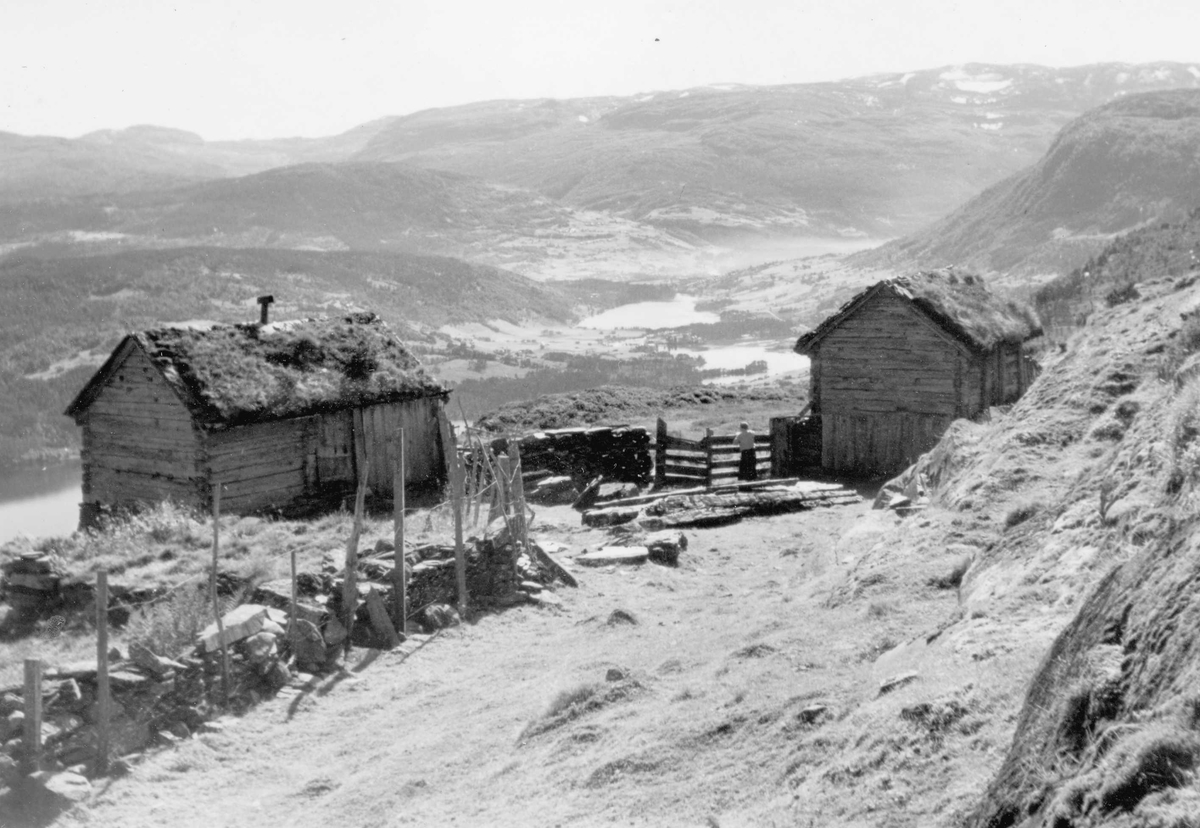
[[270, 68]]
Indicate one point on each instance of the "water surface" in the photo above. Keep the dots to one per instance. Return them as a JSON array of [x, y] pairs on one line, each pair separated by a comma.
[[40, 502]]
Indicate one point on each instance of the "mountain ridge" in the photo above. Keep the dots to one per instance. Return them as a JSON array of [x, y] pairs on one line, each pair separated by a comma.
[[1132, 161]]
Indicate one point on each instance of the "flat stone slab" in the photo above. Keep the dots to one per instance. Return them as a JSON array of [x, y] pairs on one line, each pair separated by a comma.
[[240, 622], [547, 599], [614, 555]]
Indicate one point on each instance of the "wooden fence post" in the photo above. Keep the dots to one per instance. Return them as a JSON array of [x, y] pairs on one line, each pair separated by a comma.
[[708, 457], [103, 691], [33, 715], [399, 576], [518, 496], [350, 582], [660, 454], [212, 583]]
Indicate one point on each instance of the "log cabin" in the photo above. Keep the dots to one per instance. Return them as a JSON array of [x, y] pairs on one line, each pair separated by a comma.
[[900, 361], [282, 416]]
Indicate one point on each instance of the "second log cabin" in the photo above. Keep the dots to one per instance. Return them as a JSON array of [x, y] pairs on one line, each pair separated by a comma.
[[281, 416], [901, 360]]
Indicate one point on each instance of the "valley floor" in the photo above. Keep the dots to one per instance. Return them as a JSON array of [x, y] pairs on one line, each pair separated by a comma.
[[713, 720]]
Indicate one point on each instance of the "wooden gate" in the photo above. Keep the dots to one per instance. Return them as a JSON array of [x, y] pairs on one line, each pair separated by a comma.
[[705, 462]]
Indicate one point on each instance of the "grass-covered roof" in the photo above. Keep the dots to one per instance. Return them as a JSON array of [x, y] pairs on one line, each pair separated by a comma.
[[248, 373], [956, 300]]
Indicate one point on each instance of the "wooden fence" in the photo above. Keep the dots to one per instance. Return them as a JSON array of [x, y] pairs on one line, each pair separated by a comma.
[[704, 462]]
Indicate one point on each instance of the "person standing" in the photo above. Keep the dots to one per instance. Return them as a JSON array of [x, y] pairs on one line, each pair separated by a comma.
[[747, 467]]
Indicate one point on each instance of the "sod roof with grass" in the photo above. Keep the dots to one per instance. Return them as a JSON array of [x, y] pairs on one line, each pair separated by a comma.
[[235, 374], [957, 301]]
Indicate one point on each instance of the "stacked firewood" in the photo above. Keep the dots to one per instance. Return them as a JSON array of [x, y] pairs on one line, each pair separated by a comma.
[[617, 453]]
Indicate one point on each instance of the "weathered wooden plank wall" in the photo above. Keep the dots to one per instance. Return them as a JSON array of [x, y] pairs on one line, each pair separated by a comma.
[[422, 447], [890, 380], [138, 440]]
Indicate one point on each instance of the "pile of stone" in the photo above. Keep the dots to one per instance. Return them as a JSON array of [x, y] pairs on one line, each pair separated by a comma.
[[617, 453], [32, 581], [156, 701]]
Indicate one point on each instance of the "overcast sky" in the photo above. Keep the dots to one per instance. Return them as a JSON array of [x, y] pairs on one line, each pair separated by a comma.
[[271, 68]]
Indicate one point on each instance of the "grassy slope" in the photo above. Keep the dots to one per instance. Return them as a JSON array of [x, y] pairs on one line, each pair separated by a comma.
[[1123, 164], [1166, 248]]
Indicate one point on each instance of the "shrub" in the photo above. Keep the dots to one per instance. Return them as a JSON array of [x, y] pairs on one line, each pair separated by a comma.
[[1019, 514], [954, 578], [168, 627]]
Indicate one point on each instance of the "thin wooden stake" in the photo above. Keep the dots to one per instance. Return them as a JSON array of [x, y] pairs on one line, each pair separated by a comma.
[[33, 715], [103, 692], [350, 584], [460, 551], [293, 628], [212, 582], [454, 468], [399, 573]]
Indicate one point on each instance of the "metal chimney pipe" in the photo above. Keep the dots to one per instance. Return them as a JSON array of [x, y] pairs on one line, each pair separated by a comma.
[[264, 302]]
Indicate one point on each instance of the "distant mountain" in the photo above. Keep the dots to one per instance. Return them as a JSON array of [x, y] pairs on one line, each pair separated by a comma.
[[1129, 162], [875, 156], [149, 157]]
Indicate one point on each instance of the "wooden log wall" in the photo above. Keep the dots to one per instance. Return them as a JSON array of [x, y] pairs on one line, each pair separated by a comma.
[[139, 443], [263, 465]]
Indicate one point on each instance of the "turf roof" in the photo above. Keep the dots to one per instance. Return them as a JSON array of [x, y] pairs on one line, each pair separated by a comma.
[[956, 300], [246, 373]]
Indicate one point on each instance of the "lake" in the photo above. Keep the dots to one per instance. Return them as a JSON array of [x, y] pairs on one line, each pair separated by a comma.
[[40, 502], [739, 356], [676, 313]]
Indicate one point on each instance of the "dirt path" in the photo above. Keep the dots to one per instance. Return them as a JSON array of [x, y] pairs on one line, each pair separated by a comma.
[[727, 650]]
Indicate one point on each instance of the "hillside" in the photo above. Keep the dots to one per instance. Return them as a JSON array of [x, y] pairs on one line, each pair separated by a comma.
[[876, 156], [1129, 162], [61, 316], [357, 206], [1111, 276], [845, 666]]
